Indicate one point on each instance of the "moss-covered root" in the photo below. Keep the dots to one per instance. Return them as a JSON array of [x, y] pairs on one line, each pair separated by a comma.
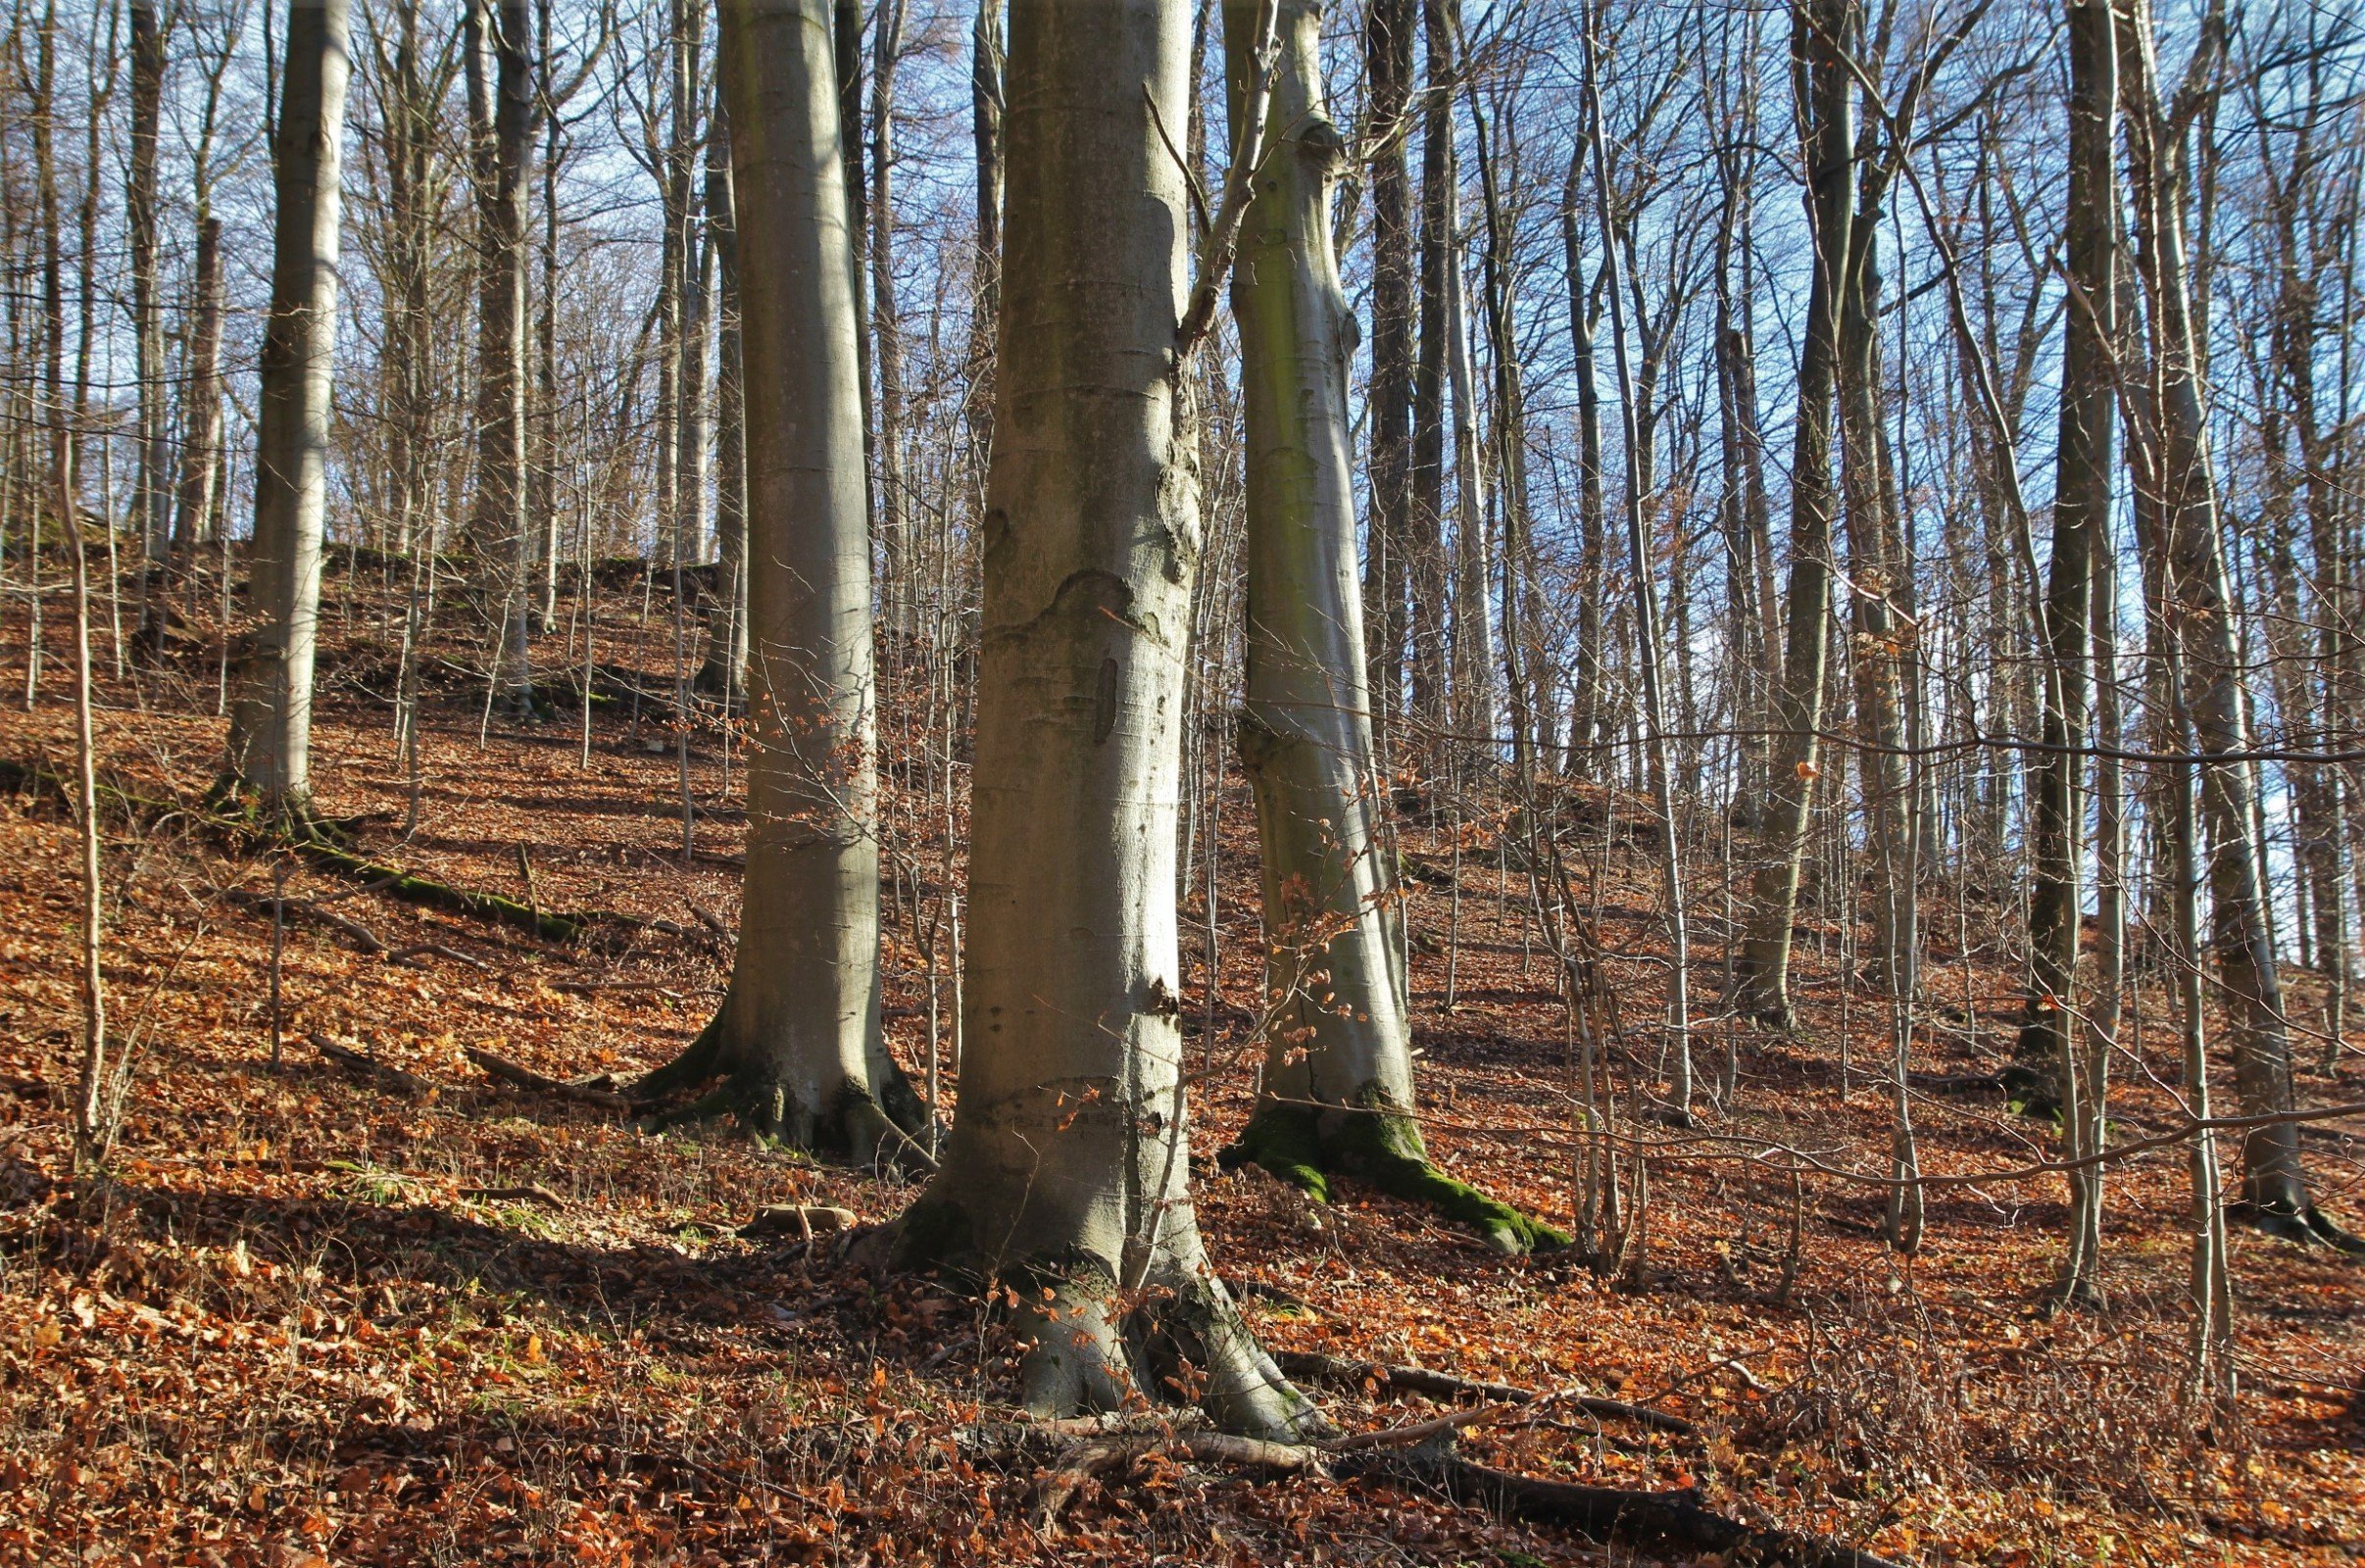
[[1305, 1147]]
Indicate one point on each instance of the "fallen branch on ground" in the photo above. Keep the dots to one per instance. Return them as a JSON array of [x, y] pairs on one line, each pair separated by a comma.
[[368, 1067], [522, 1077], [513, 1195], [361, 934], [804, 1220]]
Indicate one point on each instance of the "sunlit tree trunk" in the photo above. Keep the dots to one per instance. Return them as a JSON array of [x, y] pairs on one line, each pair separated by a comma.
[[887, 329], [1821, 27], [1068, 1168], [2056, 1037], [2196, 607], [501, 104], [798, 1040], [1337, 1078], [1585, 719], [269, 746]]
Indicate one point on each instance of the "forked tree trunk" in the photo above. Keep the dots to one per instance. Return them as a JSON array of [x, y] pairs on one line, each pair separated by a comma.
[[796, 1040], [1337, 1078], [269, 747], [1822, 29], [1067, 1172]]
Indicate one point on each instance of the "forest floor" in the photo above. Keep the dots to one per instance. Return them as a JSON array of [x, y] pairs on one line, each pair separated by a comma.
[[314, 1316]]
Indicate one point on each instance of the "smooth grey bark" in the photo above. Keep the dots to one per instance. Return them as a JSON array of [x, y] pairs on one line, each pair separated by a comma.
[[1820, 29], [798, 1038], [1337, 1093], [2054, 1039], [269, 743], [2197, 609], [501, 104], [148, 46], [1586, 707], [1067, 1171], [726, 622], [1388, 44], [201, 418], [887, 329]]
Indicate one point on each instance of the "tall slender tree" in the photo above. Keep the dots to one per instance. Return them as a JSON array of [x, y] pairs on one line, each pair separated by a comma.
[[798, 1040], [1338, 1079], [500, 106], [1821, 32], [269, 744]]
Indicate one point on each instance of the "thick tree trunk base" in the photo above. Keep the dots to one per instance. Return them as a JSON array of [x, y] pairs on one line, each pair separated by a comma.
[[2304, 1225], [858, 1124], [1305, 1147], [2031, 1086], [1092, 1347]]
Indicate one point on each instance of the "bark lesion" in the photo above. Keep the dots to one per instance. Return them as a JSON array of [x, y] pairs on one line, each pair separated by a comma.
[[1379, 1143]]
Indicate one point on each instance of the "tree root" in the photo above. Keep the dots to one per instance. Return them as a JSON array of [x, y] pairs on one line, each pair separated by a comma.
[[1096, 1457], [859, 1125], [2308, 1226], [1305, 1145], [527, 1078], [1670, 1519], [363, 1065], [1445, 1386], [1674, 1519]]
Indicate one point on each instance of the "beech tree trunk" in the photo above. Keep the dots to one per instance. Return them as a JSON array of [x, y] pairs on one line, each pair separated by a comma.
[[1338, 1079], [1585, 719], [269, 746], [798, 1038], [2053, 1041], [2198, 612], [1425, 543], [201, 404], [1068, 1169], [726, 624], [1388, 42], [1822, 28], [500, 106], [887, 330], [148, 42]]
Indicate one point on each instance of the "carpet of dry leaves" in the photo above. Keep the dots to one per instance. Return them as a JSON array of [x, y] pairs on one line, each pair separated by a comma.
[[313, 1318]]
